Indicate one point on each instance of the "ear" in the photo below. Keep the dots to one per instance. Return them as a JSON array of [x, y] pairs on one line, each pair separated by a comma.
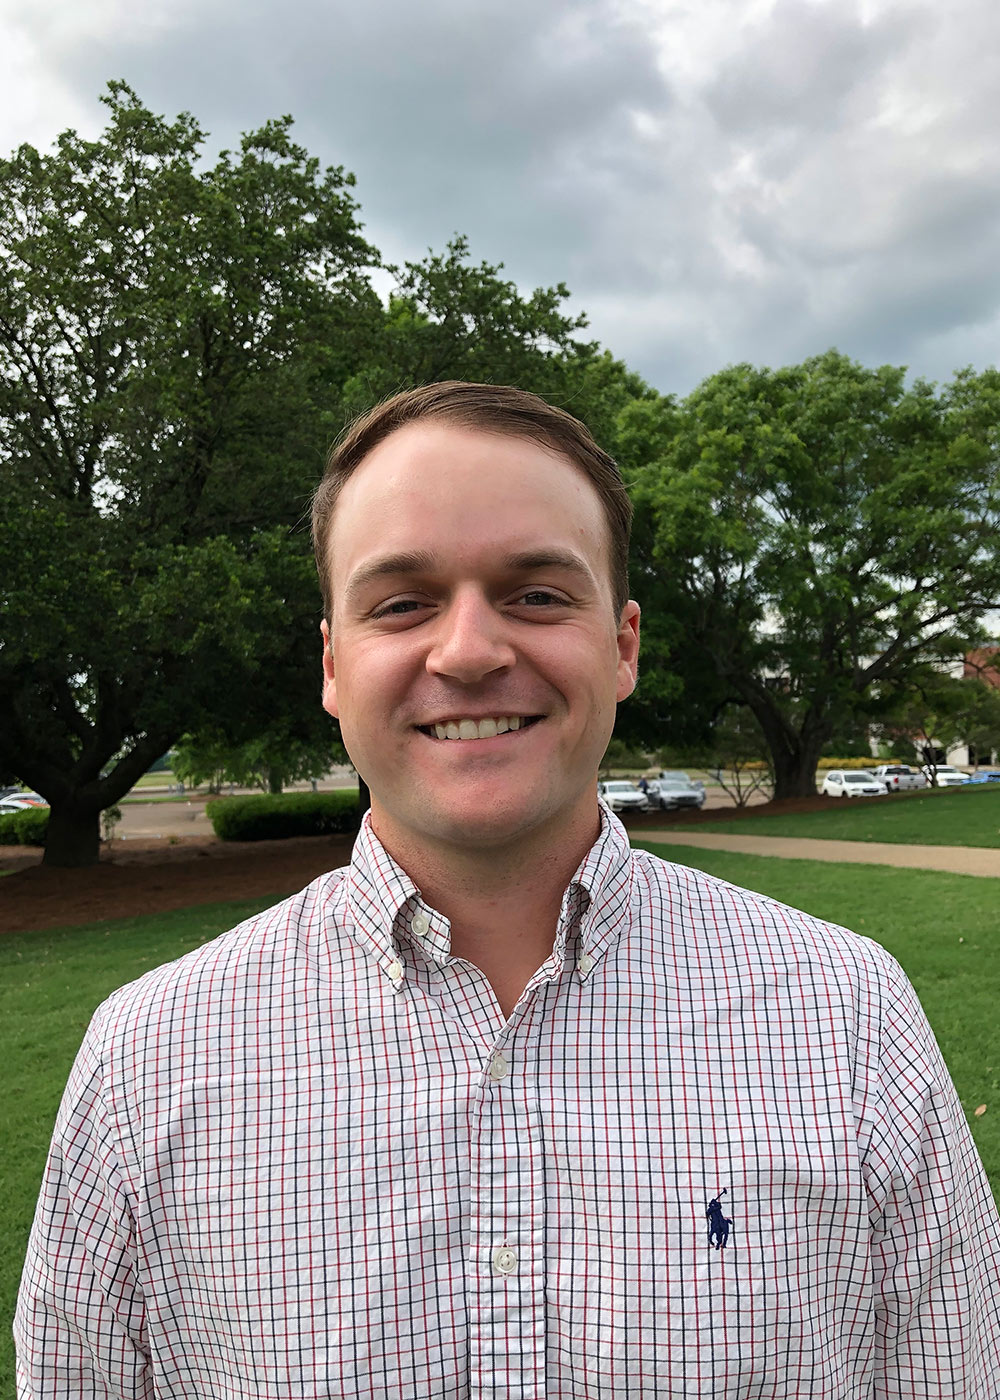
[[628, 650], [329, 679]]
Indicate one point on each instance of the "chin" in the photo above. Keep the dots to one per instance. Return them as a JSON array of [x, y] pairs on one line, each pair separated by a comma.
[[476, 826]]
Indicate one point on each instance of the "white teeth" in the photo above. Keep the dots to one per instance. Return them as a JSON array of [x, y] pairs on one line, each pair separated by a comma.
[[477, 729]]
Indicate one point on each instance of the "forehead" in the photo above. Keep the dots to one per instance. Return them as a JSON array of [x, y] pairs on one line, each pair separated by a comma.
[[457, 490]]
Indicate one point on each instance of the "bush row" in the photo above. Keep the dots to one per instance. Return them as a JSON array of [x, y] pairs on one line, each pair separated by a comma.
[[268, 817], [25, 828], [826, 763]]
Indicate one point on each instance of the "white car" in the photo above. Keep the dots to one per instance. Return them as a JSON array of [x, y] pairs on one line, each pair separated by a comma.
[[944, 775], [852, 782], [622, 796], [20, 801], [898, 777]]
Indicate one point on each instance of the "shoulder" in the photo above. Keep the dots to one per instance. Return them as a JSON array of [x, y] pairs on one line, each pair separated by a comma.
[[261, 959], [752, 930]]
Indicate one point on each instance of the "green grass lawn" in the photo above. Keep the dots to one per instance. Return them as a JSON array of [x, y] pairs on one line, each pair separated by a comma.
[[955, 817], [941, 927]]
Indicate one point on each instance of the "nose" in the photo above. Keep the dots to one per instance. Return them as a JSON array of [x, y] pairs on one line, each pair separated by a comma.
[[470, 640]]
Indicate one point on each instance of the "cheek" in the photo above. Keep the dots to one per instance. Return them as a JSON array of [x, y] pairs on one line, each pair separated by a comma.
[[371, 677]]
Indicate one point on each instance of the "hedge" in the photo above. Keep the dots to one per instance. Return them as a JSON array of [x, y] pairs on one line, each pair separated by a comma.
[[269, 817], [28, 827]]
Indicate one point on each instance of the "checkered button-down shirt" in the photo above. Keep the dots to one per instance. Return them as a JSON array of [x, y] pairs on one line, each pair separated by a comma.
[[713, 1152]]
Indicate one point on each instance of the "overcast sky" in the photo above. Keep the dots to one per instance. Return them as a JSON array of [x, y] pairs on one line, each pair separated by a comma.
[[716, 180]]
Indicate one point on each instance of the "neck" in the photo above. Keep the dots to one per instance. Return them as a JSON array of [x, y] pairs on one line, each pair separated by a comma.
[[503, 901]]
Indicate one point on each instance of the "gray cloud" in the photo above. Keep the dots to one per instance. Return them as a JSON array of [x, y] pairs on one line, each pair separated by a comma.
[[722, 182]]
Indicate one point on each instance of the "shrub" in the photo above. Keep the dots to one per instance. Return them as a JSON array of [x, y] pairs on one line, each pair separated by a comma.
[[31, 826], [868, 762], [8, 831], [268, 817]]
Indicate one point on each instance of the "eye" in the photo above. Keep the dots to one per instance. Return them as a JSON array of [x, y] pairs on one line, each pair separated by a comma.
[[540, 598], [398, 607]]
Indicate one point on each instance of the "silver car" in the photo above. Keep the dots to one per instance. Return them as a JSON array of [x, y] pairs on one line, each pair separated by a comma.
[[673, 790]]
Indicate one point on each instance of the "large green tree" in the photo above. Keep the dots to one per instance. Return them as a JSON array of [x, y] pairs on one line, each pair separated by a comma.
[[169, 332], [823, 531], [179, 342]]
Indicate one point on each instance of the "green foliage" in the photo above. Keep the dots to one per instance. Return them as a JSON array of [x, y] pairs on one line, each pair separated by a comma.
[[268, 761], [620, 755], [290, 814], [29, 827], [169, 332], [935, 711], [821, 531], [179, 341]]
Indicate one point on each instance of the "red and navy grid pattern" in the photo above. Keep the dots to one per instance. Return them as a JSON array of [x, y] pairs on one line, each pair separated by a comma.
[[313, 1159]]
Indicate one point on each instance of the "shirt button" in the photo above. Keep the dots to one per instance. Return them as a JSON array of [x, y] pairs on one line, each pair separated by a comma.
[[499, 1068], [504, 1260], [395, 971], [585, 964], [420, 923]]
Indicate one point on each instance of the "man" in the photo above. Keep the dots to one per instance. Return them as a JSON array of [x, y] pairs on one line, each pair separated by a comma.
[[505, 1109]]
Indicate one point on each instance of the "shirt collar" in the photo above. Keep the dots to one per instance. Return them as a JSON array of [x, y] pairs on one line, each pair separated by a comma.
[[385, 905]]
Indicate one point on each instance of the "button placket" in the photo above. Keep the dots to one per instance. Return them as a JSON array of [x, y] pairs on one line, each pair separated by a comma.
[[506, 1297]]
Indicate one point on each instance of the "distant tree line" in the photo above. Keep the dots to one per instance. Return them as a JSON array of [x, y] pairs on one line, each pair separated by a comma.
[[180, 340]]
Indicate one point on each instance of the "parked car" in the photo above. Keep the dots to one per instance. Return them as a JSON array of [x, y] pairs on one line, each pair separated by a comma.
[[673, 790], [622, 796], [17, 801], [986, 775], [898, 777], [852, 782], [944, 775]]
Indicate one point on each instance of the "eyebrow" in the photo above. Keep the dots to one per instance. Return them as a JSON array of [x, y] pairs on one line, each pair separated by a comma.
[[412, 562], [422, 562]]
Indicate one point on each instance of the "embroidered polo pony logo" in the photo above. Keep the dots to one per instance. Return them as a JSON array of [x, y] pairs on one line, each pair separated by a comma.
[[718, 1224]]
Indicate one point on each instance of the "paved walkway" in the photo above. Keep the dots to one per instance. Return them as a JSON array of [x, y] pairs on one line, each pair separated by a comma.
[[960, 860]]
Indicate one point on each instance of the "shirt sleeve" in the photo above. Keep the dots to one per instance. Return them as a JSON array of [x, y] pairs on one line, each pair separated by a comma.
[[935, 1231], [79, 1327]]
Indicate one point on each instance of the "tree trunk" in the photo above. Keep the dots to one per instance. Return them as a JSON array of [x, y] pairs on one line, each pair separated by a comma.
[[275, 779], [74, 836], [795, 772], [794, 752]]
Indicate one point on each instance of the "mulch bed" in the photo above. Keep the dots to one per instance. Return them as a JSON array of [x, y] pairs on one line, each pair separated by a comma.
[[147, 877]]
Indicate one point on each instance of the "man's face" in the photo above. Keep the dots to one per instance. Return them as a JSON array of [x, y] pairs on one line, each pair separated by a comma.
[[471, 598]]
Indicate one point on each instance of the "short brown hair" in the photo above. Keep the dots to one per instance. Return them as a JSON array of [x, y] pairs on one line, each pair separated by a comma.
[[492, 408]]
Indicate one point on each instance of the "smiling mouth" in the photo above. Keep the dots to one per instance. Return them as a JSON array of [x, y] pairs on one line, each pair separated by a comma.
[[479, 729]]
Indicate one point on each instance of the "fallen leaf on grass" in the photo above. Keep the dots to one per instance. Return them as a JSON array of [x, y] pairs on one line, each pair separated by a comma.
[[980, 1110]]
